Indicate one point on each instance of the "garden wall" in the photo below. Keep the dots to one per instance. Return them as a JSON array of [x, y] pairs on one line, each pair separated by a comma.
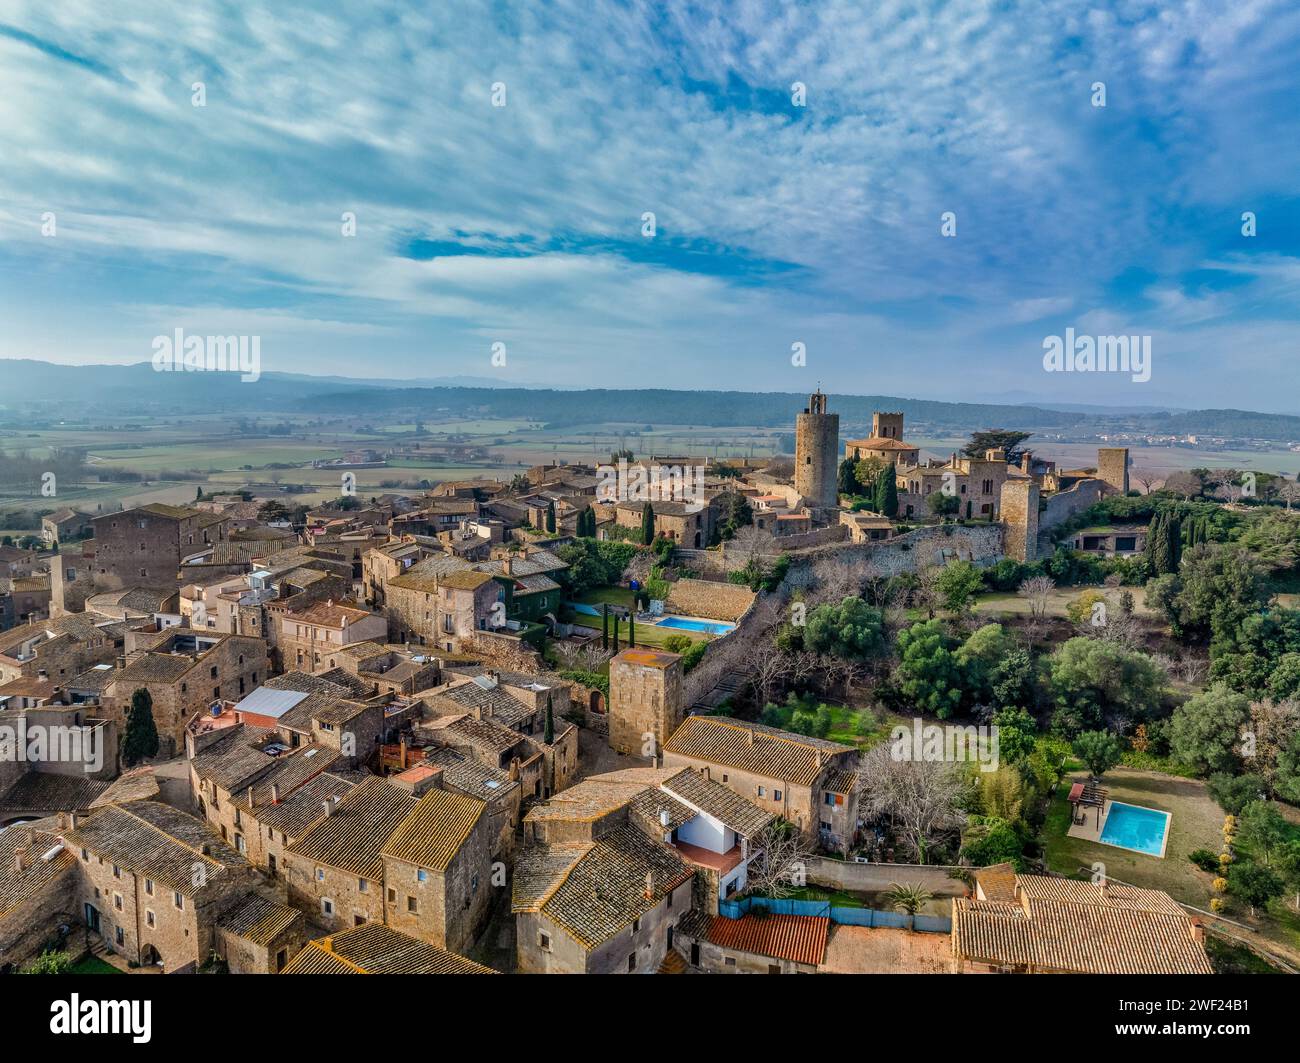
[[874, 878], [1065, 504]]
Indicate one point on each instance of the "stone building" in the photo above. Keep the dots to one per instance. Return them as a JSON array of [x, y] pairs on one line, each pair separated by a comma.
[[1112, 468], [59, 649], [311, 637], [145, 547], [646, 700], [885, 443], [153, 882], [809, 782], [185, 672], [1020, 520], [976, 484], [816, 447]]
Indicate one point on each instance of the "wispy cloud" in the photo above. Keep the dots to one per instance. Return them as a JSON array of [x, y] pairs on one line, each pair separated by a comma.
[[773, 222]]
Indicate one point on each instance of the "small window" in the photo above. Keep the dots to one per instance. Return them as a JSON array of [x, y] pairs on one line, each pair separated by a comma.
[[117, 871], [392, 896], [178, 901], [544, 941], [762, 791], [776, 795], [85, 856], [631, 962], [149, 918], [636, 925], [421, 875], [320, 874], [326, 906], [363, 886], [117, 901], [148, 886], [412, 905], [730, 961]]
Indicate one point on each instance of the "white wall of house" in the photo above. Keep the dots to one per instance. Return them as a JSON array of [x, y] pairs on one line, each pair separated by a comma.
[[707, 833]]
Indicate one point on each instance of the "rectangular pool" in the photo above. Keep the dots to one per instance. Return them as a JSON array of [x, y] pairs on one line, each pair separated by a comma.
[[711, 627], [1143, 830]]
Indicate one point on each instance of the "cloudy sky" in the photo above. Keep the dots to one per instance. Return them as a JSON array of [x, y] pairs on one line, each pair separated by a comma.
[[775, 223]]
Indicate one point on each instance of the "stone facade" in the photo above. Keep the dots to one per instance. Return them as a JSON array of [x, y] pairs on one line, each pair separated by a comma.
[[1020, 520], [1112, 467], [645, 698], [816, 445], [145, 547]]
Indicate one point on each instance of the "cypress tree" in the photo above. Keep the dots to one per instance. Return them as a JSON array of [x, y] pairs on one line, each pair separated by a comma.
[[616, 632], [647, 524], [141, 737], [548, 735], [550, 517], [887, 492], [1153, 536], [631, 631], [1175, 542], [848, 478], [1160, 553], [604, 626]]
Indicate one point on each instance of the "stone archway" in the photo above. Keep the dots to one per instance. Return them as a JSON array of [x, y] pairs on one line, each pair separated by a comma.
[[596, 702]]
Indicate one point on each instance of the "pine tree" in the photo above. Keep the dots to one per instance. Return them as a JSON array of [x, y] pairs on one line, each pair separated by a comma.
[[887, 492], [548, 735], [647, 524], [141, 737]]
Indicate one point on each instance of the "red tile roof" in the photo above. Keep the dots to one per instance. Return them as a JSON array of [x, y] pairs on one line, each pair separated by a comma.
[[801, 938]]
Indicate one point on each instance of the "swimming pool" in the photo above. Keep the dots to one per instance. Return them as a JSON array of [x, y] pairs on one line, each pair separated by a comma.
[[711, 627], [1143, 830]]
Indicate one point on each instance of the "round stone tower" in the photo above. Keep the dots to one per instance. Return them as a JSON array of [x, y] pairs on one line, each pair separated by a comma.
[[816, 446]]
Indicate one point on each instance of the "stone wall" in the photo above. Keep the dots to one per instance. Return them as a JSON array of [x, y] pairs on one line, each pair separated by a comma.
[[1065, 504], [712, 601], [871, 878], [1020, 519]]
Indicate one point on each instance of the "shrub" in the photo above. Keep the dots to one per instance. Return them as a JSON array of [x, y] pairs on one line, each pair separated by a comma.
[[1204, 859]]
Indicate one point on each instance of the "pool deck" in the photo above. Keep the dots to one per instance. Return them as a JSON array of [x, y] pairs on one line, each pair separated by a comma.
[[728, 624], [1090, 831]]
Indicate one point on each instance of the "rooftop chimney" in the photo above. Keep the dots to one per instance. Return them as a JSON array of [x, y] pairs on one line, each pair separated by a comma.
[[275, 793], [329, 807], [663, 817], [20, 860], [250, 796], [649, 886], [514, 769], [508, 565]]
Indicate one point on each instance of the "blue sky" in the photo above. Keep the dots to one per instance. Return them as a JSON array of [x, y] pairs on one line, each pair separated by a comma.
[[775, 224]]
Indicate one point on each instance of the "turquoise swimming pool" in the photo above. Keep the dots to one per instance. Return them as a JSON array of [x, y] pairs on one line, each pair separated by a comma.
[[711, 627], [1143, 830]]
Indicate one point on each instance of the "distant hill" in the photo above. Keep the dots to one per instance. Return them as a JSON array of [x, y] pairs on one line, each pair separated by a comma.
[[32, 388]]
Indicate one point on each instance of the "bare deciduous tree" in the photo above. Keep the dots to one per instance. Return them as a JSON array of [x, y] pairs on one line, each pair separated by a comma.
[[1037, 590], [922, 799], [783, 867]]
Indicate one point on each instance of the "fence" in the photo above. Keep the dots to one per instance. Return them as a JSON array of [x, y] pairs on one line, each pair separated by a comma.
[[868, 917]]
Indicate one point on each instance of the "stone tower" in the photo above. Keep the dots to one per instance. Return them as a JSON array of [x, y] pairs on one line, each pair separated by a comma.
[[1020, 520], [645, 699], [1112, 467], [816, 445], [887, 425]]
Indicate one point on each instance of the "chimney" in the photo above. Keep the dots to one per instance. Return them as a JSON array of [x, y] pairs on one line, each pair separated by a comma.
[[508, 565], [1026, 461], [1103, 884], [514, 769], [250, 797], [749, 737], [329, 807], [1198, 931], [20, 861], [275, 793], [663, 817], [205, 849], [649, 886]]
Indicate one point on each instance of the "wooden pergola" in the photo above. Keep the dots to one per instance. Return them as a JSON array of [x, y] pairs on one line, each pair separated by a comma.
[[1085, 795]]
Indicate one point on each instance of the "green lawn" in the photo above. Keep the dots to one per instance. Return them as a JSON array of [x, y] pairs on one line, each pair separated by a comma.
[[1196, 823]]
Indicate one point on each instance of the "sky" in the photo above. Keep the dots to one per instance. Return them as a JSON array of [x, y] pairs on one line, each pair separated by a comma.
[[799, 161]]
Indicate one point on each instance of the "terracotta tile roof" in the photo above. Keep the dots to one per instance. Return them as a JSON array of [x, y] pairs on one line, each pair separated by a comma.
[[52, 793], [351, 837], [605, 890], [155, 668], [373, 948], [304, 806], [751, 747], [539, 872], [801, 938], [1082, 927], [880, 443], [157, 841], [587, 800], [435, 830], [326, 614], [465, 581], [487, 735], [470, 777], [37, 876], [648, 807], [259, 920], [727, 806], [997, 882]]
